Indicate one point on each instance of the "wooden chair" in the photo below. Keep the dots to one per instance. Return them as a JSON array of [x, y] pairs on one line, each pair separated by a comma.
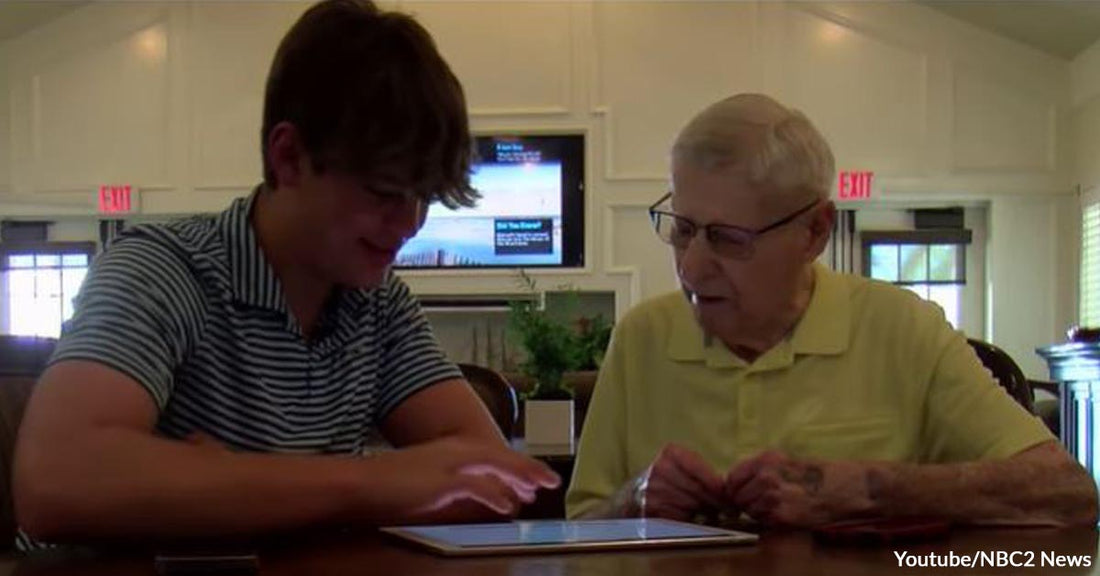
[[1006, 372], [24, 355], [22, 359], [1048, 409], [497, 395]]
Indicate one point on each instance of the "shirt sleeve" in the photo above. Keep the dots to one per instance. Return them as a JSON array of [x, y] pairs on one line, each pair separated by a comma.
[[601, 460], [138, 312], [969, 416], [413, 359]]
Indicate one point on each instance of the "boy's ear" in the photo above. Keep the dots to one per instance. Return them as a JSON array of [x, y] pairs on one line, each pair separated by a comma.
[[286, 154]]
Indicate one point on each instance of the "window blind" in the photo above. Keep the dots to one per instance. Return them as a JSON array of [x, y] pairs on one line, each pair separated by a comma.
[[1090, 258]]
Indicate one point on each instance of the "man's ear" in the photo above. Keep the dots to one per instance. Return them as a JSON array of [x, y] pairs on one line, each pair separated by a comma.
[[286, 155], [821, 228]]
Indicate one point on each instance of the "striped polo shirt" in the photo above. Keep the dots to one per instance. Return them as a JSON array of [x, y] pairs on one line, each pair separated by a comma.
[[194, 313]]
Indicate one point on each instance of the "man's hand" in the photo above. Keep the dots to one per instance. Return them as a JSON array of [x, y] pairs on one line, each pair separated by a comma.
[[778, 490], [458, 479], [678, 484]]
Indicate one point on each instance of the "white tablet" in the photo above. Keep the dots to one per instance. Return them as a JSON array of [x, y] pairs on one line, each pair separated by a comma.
[[565, 536]]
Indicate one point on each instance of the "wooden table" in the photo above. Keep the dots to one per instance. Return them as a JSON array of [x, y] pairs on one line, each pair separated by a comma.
[[792, 553]]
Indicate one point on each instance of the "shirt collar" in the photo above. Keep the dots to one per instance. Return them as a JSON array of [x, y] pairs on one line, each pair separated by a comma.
[[823, 330], [254, 281], [825, 327]]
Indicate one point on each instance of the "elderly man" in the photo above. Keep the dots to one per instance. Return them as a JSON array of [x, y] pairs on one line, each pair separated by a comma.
[[774, 387]]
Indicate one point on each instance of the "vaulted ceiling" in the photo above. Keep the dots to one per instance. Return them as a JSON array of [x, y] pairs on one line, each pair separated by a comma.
[[1062, 28]]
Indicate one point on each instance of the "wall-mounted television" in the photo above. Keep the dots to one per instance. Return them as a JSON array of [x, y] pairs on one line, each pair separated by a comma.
[[531, 211]]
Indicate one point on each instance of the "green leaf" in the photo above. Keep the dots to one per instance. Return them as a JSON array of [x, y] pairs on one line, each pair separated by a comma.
[[553, 346]]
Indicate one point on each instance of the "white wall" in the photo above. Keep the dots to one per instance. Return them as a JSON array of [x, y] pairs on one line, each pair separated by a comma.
[[1086, 120], [1087, 143], [1085, 75], [1085, 176], [1023, 263], [167, 96], [5, 131]]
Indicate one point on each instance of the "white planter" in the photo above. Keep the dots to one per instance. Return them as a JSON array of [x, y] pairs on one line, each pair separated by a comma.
[[548, 422]]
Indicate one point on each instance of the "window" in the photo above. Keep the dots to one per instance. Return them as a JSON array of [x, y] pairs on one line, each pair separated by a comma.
[[38, 284], [1090, 259], [930, 263]]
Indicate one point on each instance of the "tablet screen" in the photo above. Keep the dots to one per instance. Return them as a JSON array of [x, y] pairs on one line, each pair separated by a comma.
[[562, 532]]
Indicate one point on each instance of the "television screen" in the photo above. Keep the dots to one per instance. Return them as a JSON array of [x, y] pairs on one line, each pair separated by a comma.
[[531, 211]]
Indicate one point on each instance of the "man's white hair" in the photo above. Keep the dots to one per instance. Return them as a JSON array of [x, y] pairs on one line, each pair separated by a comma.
[[774, 145]]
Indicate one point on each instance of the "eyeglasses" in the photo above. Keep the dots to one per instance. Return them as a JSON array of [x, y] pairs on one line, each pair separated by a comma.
[[725, 240]]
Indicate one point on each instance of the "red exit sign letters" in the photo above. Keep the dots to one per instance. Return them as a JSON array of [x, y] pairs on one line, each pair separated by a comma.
[[854, 185], [115, 199]]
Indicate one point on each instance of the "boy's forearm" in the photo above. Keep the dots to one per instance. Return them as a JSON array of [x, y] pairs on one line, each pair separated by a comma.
[[121, 482]]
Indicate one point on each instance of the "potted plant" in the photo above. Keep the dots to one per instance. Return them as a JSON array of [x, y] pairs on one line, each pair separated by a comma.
[[553, 347], [593, 337]]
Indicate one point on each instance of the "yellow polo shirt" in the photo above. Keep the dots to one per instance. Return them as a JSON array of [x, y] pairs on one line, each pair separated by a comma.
[[871, 372]]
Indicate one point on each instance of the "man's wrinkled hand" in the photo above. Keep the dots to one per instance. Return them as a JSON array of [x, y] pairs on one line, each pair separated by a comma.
[[778, 490], [679, 484]]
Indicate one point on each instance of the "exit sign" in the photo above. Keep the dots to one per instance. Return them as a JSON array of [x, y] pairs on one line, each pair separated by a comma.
[[852, 185], [121, 199]]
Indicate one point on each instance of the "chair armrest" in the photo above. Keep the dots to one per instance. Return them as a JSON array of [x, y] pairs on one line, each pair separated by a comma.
[[1046, 386]]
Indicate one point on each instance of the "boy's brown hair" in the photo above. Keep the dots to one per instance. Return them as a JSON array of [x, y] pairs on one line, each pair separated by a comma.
[[369, 94]]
